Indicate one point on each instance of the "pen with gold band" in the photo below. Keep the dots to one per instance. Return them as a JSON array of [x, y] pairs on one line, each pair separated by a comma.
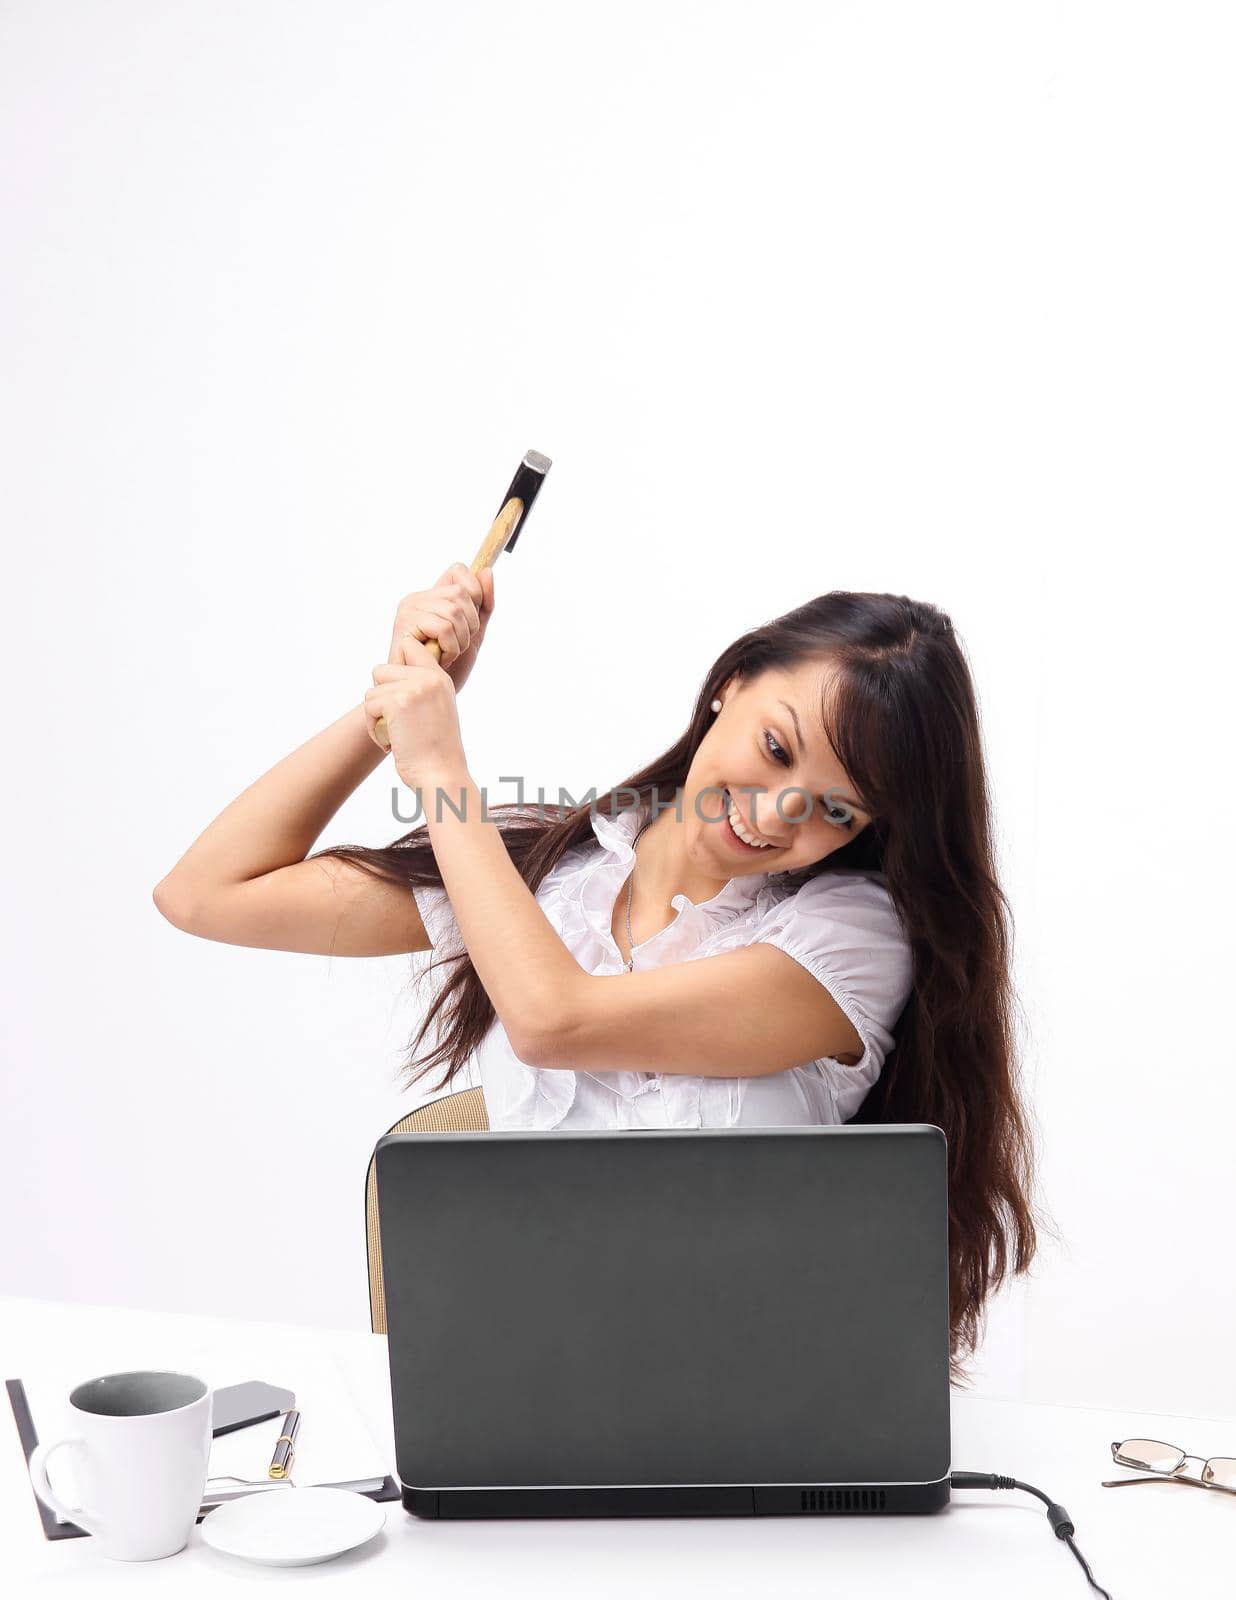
[[285, 1447]]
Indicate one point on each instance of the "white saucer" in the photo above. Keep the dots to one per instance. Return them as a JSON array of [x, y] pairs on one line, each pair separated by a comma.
[[294, 1527]]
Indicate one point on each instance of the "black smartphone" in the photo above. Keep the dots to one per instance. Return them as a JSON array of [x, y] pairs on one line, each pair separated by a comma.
[[240, 1404]]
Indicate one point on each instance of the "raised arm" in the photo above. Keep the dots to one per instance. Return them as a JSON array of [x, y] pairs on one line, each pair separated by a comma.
[[245, 880]]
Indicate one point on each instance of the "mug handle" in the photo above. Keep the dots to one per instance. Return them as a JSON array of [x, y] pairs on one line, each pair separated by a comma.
[[39, 1458]]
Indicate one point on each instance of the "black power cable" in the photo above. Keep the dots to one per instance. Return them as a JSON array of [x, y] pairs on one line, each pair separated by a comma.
[[1061, 1522]]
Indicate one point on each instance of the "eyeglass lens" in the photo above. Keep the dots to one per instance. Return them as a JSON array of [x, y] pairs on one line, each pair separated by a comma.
[[1152, 1455]]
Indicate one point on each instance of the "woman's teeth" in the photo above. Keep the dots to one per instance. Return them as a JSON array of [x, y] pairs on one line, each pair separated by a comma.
[[741, 829]]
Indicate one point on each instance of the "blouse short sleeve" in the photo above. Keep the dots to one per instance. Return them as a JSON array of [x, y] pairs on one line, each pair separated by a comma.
[[437, 912], [438, 915], [844, 929]]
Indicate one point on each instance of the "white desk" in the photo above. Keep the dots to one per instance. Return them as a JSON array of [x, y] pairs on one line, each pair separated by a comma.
[[1143, 1542]]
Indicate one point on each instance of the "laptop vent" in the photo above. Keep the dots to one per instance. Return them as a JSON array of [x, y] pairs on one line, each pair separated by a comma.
[[843, 1500]]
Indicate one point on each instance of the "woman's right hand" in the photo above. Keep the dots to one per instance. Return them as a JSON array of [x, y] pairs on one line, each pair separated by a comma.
[[455, 612]]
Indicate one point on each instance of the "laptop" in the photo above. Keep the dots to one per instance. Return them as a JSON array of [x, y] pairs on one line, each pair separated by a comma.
[[688, 1322]]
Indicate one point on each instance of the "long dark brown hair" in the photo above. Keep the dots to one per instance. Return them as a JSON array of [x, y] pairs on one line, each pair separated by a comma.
[[904, 724]]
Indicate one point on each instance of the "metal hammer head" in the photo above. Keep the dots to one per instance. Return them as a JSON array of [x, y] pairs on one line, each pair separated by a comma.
[[525, 486]]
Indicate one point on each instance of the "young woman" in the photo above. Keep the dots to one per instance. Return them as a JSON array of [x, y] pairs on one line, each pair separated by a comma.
[[791, 914]]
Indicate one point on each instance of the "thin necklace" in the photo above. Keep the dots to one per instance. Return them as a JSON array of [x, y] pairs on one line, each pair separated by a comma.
[[630, 965]]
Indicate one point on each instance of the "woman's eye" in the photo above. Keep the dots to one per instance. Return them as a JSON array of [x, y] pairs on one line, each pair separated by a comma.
[[837, 817], [775, 749]]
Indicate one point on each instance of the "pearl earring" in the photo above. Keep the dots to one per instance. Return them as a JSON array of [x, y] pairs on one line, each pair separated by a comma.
[[716, 705]]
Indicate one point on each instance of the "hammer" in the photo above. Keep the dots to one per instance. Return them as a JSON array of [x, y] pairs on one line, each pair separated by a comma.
[[506, 528]]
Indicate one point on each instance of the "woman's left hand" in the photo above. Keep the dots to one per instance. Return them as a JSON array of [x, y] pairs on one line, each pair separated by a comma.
[[418, 702]]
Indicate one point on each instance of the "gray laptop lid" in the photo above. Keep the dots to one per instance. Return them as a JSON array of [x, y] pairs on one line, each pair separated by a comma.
[[712, 1306]]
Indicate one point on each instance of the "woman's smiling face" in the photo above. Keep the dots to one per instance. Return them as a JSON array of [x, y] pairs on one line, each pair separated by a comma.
[[768, 751]]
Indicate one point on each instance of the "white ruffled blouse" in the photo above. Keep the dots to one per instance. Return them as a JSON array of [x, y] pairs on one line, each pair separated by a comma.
[[842, 927]]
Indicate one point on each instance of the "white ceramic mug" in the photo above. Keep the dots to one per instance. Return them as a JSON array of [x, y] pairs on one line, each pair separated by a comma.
[[140, 1452]]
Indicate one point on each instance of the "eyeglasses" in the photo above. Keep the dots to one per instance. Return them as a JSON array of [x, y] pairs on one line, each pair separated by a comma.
[[1165, 1461]]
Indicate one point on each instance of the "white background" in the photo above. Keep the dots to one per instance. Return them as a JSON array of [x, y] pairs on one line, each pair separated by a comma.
[[930, 299]]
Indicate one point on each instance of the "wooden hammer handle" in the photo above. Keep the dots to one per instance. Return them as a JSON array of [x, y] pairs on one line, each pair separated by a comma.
[[492, 546]]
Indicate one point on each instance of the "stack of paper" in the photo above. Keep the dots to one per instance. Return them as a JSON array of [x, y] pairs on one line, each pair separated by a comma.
[[333, 1443]]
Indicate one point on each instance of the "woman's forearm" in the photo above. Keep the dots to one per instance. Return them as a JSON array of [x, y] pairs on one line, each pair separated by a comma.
[[528, 973], [277, 819]]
